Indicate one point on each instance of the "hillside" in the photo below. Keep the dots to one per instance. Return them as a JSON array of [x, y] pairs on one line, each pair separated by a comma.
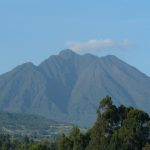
[[34, 126], [69, 86]]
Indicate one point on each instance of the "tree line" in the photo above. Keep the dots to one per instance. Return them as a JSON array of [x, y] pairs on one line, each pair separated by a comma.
[[116, 128]]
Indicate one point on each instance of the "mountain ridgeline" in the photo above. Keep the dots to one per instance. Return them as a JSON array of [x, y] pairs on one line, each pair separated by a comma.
[[68, 86]]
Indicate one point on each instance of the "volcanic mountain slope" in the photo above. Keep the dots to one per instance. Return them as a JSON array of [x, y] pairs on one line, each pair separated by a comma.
[[69, 87]]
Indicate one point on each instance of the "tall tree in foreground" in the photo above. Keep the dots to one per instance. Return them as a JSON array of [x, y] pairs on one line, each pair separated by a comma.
[[104, 126], [119, 128]]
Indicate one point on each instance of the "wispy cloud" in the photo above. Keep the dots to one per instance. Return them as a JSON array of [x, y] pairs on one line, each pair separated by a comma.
[[92, 46]]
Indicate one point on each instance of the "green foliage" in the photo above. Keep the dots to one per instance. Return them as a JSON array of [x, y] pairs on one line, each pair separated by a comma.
[[116, 128], [64, 143], [32, 125], [39, 146], [75, 141], [119, 128], [147, 147]]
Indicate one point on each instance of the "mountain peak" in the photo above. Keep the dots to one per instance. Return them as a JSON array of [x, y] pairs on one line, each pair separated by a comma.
[[67, 52], [68, 86]]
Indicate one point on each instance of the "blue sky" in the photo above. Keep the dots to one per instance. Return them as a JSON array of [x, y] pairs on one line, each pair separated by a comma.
[[32, 30]]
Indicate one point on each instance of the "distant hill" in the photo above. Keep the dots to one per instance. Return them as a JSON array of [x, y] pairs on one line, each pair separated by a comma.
[[31, 125], [69, 87]]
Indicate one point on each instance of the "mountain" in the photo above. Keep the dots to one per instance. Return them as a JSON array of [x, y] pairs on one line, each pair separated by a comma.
[[69, 86], [35, 126]]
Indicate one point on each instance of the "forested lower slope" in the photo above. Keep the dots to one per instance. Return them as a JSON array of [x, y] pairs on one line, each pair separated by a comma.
[[116, 128]]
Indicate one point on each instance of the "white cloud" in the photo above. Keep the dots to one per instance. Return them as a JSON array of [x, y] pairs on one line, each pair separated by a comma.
[[95, 46]]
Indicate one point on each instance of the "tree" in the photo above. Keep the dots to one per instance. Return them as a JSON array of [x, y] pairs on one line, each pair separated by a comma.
[[64, 143], [116, 128], [78, 140], [39, 146], [146, 147], [119, 128], [102, 129]]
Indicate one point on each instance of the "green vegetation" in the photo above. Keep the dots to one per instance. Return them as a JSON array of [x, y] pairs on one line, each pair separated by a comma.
[[116, 128], [33, 126]]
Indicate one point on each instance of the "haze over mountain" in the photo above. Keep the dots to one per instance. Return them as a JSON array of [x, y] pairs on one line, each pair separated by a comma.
[[69, 87]]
